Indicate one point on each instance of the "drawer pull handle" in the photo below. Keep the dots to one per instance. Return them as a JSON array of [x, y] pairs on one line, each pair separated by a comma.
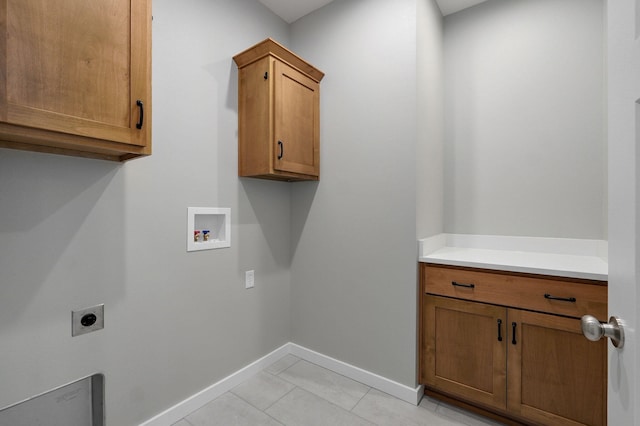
[[453, 283], [513, 333], [563, 299], [499, 330]]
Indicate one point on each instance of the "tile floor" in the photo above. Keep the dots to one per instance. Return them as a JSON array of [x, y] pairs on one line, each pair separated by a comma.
[[294, 392]]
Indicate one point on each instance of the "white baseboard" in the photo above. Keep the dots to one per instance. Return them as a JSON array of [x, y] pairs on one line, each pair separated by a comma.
[[194, 402], [202, 398], [400, 391]]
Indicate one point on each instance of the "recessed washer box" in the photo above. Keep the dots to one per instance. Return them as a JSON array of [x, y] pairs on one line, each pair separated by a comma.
[[208, 228]]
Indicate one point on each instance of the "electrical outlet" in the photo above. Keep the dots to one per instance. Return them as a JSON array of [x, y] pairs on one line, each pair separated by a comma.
[[87, 320], [249, 279]]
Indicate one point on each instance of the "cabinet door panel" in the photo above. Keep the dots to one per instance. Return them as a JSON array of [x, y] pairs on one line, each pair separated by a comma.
[[254, 118], [555, 375], [297, 117], [77, 67], [464, 356]]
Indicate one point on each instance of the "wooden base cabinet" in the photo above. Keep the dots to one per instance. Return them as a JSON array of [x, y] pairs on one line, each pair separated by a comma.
[[76, 77], [531, 367]]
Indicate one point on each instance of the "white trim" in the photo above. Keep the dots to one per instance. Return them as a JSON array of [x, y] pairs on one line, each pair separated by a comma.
[[398, 390], [200, 399]]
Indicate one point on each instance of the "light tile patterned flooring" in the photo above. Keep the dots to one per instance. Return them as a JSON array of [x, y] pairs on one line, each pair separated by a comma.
[[294, 392]]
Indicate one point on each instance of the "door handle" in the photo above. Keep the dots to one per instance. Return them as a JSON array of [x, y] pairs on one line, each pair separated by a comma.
[[594, 330], [141, 119], [281, 146]]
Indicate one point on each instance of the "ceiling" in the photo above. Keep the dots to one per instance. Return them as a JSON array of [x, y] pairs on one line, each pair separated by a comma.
[[447, 7], [291, 10]]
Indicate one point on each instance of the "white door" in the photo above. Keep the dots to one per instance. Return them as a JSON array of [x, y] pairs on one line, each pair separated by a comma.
[[623, 65]]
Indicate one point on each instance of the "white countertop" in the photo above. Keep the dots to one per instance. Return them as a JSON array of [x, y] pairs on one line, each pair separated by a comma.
[[572, 258]]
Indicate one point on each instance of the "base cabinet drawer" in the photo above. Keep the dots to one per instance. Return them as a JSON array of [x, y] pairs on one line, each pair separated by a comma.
[[530, 367], [553, 295]]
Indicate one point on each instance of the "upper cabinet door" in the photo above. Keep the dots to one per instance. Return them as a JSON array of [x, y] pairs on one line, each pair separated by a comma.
[[77, 67], [297, 117]]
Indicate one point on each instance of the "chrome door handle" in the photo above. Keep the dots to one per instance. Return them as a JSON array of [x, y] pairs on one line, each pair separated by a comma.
[[594, 330]]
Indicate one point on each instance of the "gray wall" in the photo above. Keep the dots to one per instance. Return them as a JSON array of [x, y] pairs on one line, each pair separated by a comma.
[[76, 232], [335, 260], [430, 121], [353, 273], [525, 145]]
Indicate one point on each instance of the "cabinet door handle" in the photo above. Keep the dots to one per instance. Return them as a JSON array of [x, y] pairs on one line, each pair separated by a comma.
[[499, 330], [513, 333], [141, 119], [563, 299], [456, 284], [281, 146]]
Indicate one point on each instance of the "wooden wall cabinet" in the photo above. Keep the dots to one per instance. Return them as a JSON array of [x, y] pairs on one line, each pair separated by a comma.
[[504, 348], [278, 114], [76, 77]]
